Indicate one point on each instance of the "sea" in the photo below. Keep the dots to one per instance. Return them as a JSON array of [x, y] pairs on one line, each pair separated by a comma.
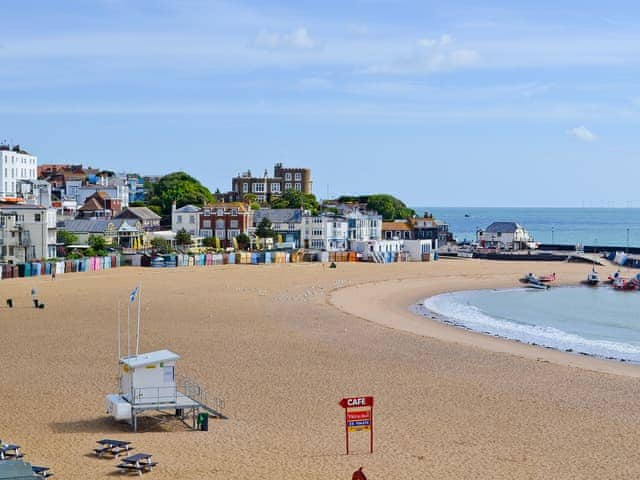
[[569, 226], [600, 321]]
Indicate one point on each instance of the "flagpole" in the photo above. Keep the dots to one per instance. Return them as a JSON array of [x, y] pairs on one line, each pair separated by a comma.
[[128, 329], [119, 356], [138, 330]]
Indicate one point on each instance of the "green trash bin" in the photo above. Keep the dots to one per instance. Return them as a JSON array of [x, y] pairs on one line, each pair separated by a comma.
[[203, 421]]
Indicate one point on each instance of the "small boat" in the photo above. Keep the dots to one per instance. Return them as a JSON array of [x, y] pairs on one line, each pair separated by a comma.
[[467, 215], [614, 276], [529, 278], [548, 278], [624, 284], [593, 278]]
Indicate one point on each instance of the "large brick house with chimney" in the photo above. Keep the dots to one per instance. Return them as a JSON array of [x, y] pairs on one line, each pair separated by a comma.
[[225, 221]]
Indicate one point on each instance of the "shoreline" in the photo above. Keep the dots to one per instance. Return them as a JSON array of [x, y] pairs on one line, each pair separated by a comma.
[[422, 310], [401, 295]]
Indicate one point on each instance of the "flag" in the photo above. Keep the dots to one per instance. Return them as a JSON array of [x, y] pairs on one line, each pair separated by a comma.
[[133, 294]]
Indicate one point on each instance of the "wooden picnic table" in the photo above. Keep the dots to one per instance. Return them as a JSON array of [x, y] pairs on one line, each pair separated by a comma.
[[9, 450], [140, 463], [113, 447], [42, 472]]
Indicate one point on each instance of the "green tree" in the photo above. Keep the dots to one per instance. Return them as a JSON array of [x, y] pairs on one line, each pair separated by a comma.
[[181, 188], [296, 199], [252, 200], [386, 205], [161, 245], [68, 238], [183, 237], [243, 241], [98, 246], [264, 230]]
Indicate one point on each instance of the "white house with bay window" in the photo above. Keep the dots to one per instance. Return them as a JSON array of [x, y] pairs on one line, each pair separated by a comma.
[[187, 217], [325, 232], [15, 165]]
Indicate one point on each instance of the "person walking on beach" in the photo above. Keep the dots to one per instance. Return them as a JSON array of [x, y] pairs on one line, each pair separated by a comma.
[[53, 273]]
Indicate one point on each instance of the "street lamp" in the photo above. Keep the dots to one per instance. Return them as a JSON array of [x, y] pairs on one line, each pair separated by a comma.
[[627, 240]]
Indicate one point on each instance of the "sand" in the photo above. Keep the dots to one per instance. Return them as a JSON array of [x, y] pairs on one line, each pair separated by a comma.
[[282, 344]]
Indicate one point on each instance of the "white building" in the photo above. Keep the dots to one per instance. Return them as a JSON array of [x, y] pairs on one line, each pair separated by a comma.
[[325, 232], [15, 164], [377, 250], [27, 233], [419, 250], [187, 217], [364, 226], [506, 236]]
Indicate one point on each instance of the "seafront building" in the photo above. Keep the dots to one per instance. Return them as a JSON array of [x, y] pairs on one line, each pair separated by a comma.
[[267, 188], [27, 232], [286, 222], [187, 218], [225, 221], [325, 232], [15, 164], [505, 236]]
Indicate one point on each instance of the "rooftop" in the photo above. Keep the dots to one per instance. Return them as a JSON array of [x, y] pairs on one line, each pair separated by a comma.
[[143, 359], [503, 227]]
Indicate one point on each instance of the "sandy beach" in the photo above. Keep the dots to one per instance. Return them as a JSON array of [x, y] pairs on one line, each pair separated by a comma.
[[282, 344]]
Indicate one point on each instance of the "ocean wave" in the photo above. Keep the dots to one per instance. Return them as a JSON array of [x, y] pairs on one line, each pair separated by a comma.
[[457, 308]]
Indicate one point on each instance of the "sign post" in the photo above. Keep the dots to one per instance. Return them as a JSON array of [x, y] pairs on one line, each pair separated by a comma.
[[358, 417]]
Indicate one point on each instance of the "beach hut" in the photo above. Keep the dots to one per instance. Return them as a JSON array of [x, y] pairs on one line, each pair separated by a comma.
[[148, 382]]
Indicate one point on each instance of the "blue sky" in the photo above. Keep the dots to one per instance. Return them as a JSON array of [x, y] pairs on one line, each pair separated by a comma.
[[439, 103]]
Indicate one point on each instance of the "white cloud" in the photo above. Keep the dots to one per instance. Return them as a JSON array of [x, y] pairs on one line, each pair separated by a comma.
[[297, 39], [583, 133], [435, 42]]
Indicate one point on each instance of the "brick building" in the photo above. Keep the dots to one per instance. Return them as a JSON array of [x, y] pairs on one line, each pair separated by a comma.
[[265, 187], [225, 221]]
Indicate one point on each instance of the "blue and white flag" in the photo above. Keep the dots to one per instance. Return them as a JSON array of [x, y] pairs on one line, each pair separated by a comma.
[[133, 294]]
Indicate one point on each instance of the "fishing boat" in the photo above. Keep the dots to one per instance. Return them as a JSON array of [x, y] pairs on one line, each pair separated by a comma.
[[548, 278], [592, 277]]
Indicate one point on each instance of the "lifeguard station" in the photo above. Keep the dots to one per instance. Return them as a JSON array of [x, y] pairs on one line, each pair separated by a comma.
[[148, 382]]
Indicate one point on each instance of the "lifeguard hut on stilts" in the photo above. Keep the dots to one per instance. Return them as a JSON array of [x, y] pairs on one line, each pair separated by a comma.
[[148, 382]]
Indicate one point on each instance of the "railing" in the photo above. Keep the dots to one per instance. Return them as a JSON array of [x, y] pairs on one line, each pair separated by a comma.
[[155, 395]]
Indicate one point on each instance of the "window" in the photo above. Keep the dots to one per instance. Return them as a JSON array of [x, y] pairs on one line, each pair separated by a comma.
[[37, 217], [207, 212], [298, 177], [168, 374], [206, 224], [220, 224], [233, 224], [179, 219], [245, 187], [287, 186], [234, 212], [258, 187], [275, 188], [287, 176], [260, 198], [192, 219], [232, 233], [220, 212], [220, 234], [292, 227], [298, 187]]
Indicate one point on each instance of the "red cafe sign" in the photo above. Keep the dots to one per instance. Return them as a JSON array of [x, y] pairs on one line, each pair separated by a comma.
[[358, 417]]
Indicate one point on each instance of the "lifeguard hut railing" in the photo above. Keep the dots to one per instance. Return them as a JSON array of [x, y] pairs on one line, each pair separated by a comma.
[[174, 394]]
